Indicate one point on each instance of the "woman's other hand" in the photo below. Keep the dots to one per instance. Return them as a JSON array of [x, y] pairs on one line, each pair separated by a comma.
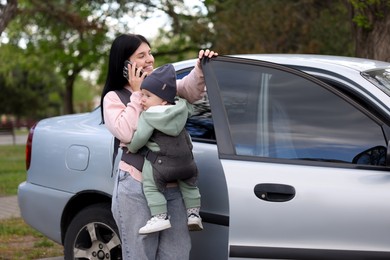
[[207, 53]]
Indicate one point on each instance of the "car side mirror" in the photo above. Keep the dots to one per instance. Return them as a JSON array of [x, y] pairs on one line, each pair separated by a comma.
[[377, 155]]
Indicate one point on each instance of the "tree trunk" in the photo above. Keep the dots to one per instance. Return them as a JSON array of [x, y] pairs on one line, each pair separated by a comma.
[[7, 13], [68, 97], [373, 34]]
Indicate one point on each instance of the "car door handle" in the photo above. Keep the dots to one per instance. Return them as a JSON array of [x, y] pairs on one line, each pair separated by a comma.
[[274, 192]]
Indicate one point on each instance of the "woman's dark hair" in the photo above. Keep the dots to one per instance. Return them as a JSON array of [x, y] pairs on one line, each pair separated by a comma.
[[121, 49]]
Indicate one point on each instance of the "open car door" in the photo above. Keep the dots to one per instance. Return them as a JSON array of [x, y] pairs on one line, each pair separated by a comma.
[[305, 164]]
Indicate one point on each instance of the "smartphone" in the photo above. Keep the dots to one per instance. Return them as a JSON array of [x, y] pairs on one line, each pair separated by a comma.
[[126, 70]]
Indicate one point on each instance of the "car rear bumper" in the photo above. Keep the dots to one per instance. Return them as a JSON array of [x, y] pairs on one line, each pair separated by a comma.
[[41, 208]]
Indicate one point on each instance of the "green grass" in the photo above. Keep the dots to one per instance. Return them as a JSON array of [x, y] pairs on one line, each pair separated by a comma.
[[12, 168], [17, 239]]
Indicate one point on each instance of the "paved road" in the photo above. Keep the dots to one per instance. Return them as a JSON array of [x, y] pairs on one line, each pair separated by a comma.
[[7, 139], [9, 207]]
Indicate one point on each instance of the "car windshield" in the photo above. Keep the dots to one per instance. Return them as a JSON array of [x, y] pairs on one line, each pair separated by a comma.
[[380, 78]]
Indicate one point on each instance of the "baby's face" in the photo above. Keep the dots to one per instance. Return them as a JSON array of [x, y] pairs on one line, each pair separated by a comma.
[[149, 99]]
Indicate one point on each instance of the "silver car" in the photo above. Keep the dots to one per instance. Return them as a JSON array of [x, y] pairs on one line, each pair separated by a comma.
[[293, 158]]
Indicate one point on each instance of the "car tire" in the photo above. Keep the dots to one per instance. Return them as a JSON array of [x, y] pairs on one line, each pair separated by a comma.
[[93, 234]]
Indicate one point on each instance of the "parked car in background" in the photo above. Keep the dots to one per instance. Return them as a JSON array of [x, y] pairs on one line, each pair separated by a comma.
[[293, 158]]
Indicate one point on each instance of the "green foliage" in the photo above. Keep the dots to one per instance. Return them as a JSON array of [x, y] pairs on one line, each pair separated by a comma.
[[331, 32], [280, 26], [65, 38], [367, 12], [26, 83], [84, 94], [69, 36], [360, 18]]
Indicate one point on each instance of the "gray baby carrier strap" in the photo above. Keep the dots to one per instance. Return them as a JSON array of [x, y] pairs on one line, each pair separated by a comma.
[[134, 159], [174, 161]]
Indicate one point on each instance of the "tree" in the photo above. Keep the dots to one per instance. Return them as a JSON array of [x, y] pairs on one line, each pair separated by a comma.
[[72, 36], [280, 26], [69, 36], [187, 33], [371, 26], [7, 12], [75, 35], [25, 90]]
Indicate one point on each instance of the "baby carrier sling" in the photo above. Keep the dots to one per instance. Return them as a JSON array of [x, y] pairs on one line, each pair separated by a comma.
[[174, 161], [134, 159]]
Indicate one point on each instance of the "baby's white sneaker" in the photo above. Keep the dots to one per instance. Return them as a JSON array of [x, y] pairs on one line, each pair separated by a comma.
[[155, 224], [194, 222]]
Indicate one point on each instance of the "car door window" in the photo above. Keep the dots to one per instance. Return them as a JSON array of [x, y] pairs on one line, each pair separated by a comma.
[[200, 125], [278, 114]]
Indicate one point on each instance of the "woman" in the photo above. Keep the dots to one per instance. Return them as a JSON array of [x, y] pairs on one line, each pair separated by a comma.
[[129, 206]]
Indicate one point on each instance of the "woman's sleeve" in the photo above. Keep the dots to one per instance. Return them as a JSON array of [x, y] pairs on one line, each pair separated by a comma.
[[141, 136], [192, 87], [121, 120]]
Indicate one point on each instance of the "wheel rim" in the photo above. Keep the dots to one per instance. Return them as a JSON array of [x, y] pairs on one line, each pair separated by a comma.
[[97, 241]]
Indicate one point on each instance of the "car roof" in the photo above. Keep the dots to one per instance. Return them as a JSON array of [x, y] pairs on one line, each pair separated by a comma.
[[346, 67], [327, 62], [313, 60]]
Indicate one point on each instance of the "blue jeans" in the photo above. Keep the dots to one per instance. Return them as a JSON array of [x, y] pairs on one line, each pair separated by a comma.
[[131, 212]]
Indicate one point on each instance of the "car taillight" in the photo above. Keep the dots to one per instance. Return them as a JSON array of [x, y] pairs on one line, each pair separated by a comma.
[[29, 146]]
